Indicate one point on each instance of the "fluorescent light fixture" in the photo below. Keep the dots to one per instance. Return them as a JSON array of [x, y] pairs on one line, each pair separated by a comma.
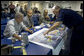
[[47, 1]]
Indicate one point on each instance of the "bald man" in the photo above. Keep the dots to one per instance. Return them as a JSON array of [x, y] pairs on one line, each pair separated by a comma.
[[45, 17], [28, 19]]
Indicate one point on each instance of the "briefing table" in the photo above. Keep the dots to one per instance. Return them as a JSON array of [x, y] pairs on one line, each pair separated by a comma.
[[35, 49]]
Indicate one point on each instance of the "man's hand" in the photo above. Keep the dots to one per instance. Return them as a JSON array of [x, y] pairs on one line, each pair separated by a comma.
[[32, 26], [47, 17], [20, 39], [52, 22], [61, 29], [45, 32], [17, 37], [28, 27], [30, 31], [53, 27]]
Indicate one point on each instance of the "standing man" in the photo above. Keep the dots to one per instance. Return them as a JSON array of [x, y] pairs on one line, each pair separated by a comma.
[[74, 21], [25, 9], [11, 7], [17, 9], [21, 10]]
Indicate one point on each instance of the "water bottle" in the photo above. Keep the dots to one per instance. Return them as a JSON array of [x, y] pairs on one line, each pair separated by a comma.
[[13, 40], [23, 44], [25, 40]]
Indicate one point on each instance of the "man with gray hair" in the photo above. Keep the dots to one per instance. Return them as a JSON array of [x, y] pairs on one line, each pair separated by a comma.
[[15, 26], [73, 21]]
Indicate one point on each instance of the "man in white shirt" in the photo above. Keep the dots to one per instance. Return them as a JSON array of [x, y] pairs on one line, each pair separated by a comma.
[[17, 9], [15, 26]]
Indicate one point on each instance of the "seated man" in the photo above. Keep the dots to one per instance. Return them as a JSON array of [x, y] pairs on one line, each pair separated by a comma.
[[15, 26], [28, 22], [45, 17], [36, 19], [36, 16]]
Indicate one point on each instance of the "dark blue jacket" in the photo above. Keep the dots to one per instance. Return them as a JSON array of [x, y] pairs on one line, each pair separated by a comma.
[[70, 18], [5, 15]]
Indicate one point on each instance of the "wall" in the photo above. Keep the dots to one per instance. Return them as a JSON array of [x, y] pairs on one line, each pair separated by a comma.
[[75, 5], [4, 2]]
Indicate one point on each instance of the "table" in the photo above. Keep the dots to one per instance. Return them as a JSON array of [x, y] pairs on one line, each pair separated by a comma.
[[31, 49], [34, 49]]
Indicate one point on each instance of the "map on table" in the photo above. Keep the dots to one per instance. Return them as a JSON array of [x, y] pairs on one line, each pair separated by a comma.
[[48, 40]]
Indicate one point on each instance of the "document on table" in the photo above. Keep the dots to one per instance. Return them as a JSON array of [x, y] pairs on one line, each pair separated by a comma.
[[40, 39], [37, 27], [42, 25], [38, 36]]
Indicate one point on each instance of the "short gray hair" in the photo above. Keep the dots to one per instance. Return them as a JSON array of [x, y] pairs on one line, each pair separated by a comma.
[[56, 7], [18, 15]]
